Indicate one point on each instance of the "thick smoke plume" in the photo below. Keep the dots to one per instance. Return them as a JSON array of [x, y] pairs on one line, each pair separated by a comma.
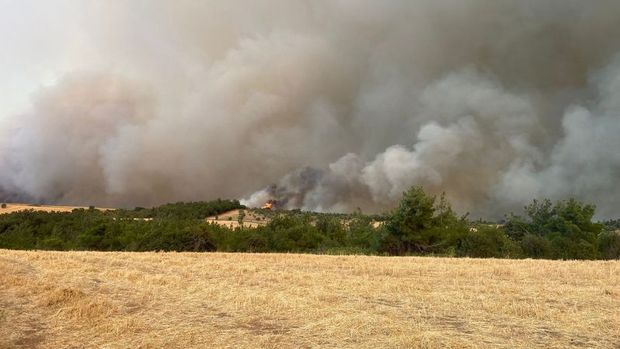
[[328, 105]]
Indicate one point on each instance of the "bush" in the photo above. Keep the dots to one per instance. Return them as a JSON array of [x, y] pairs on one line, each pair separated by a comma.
[[421, 224], [293, 234], [182, 210], [332, 228], [487, 242], [241, 217], [608, 244], [561, 230], [566, 248], [3, 205], [535, 246], [344, 251], [361, 234]]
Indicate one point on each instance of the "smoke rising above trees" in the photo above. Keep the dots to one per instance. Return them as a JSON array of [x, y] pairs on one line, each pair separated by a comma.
[[329, 105]]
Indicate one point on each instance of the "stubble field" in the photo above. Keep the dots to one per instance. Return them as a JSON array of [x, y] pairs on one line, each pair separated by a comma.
[[12, 208], [181, 300]]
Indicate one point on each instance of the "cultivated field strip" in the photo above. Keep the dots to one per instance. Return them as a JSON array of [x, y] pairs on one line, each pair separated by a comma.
[[182, 300]]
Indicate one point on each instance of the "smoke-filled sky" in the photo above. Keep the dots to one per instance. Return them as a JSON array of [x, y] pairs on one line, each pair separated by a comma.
[[322, 104]]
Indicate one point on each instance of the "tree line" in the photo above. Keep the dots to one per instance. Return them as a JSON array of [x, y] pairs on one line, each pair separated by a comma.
[[421, 224]]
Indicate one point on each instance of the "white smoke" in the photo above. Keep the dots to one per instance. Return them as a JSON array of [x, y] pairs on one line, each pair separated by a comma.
[[330, 105]]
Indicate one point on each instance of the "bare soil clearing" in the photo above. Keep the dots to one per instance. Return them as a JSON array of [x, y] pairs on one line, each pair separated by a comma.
[[181, 300]]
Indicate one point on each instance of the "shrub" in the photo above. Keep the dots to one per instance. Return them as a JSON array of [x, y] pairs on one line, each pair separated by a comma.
[[293, 234], [608, 244], [421, 224], [241, 217], [562, 230], [535, 246], [566, 248], [332, 228], [485, 242], [344, 250], [361, 234]]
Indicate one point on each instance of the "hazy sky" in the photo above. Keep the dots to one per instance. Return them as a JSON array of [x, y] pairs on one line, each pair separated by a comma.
[[340, 103]]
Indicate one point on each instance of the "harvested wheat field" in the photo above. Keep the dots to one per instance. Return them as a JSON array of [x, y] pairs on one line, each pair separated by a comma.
[[181, 300], [12, 208]]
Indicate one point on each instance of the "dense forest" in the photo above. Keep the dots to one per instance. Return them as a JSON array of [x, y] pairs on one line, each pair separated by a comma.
[[421, 225]]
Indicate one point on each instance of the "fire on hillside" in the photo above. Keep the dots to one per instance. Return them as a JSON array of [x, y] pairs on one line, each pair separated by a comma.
[[269, 205]]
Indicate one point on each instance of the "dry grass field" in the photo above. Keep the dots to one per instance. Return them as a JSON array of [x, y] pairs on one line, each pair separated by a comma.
[[230, 219], [11, 208], [184, 300], [252, 219]]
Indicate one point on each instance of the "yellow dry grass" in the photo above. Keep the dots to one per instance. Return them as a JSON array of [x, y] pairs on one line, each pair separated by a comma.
[[185, 300], [11, 208], [230, 219], [254, 219]]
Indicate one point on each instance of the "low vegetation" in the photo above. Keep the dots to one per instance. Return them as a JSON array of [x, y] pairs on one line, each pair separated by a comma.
[[420, 225], [223, 300]]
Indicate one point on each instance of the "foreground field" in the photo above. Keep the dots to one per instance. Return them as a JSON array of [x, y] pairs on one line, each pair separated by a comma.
[[119, 300]]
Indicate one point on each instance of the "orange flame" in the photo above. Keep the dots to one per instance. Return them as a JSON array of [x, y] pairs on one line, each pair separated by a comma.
[[269, 205]]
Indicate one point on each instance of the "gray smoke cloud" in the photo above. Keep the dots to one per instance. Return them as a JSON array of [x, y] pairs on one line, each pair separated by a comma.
[[328, 105]]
